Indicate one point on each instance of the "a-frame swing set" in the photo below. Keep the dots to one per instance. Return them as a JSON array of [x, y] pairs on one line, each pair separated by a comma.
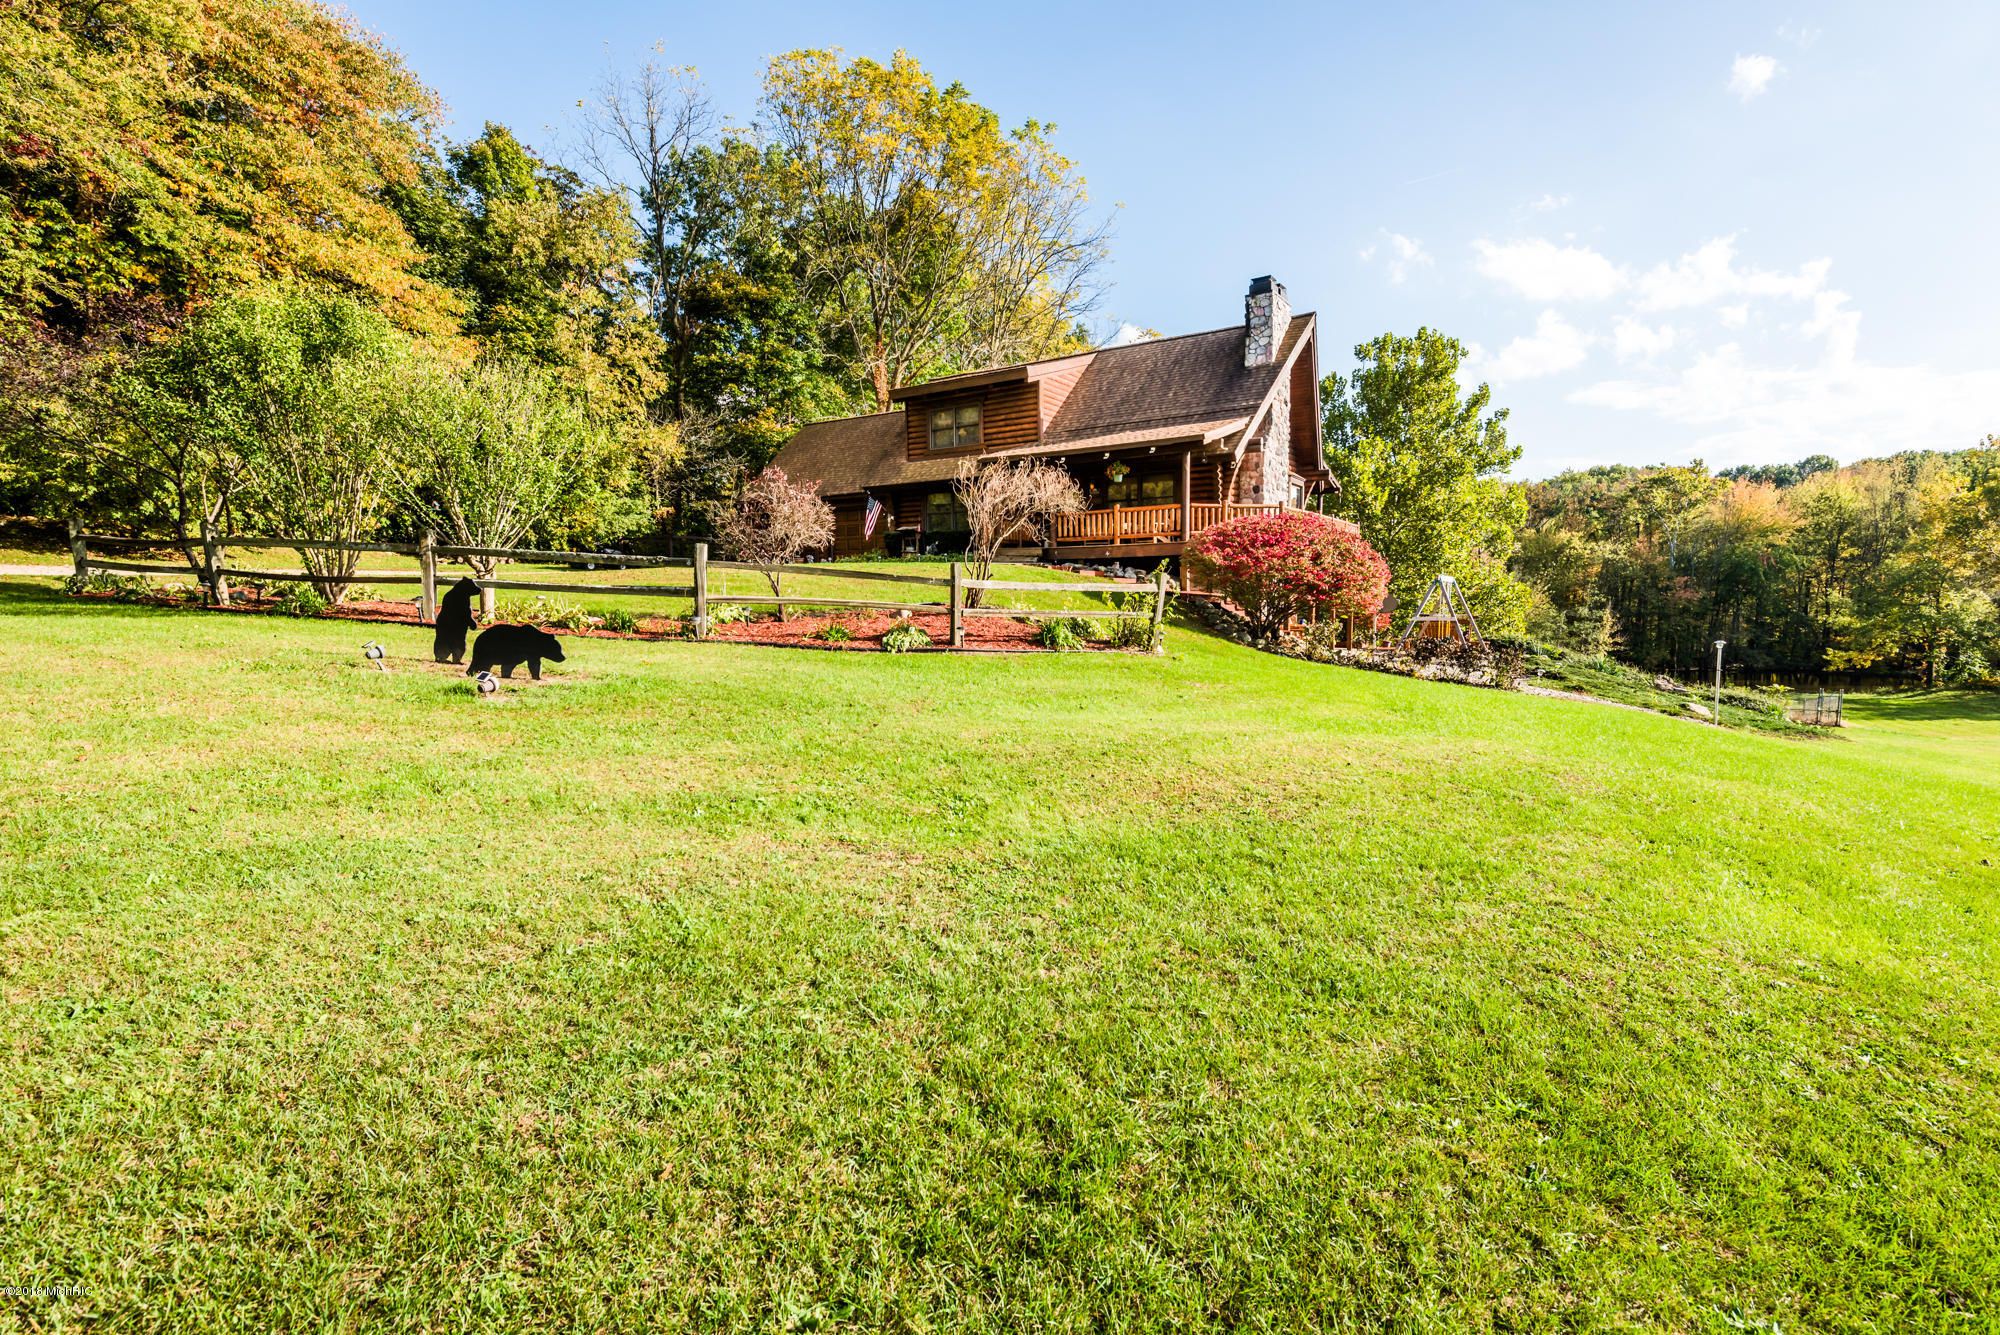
[[1451, 618]]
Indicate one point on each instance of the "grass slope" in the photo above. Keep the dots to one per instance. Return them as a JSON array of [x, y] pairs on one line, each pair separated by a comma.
[[715, 987]]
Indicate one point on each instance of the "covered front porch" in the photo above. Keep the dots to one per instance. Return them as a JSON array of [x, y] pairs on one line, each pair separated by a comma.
[[1128, 529], [1152, 501]]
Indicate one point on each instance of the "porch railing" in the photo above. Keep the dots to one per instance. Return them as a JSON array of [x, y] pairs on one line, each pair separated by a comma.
[[1146, 523]]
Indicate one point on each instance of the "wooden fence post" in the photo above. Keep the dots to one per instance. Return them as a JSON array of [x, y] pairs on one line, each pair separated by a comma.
[[79, 552], [1159, 605], [211, 553], [701, 590], [427, 567], [957, 605]]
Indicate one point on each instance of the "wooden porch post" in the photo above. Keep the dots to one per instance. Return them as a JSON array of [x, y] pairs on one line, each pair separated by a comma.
[[1187, 495]]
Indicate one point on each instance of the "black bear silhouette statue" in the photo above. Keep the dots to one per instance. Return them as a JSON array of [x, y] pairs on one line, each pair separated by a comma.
[[454, 622], [507, 647]]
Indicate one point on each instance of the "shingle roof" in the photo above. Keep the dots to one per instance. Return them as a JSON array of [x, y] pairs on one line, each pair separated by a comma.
[[849, 454], [1191, 387], [1180, 386]]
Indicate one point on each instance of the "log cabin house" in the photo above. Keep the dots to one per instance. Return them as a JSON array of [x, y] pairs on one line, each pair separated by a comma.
[[1166, 438]]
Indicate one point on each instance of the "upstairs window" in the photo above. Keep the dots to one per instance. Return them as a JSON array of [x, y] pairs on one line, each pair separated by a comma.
[[955, 428]]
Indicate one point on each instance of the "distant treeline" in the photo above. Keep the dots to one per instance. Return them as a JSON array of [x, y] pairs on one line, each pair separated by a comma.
[[1884, 566]]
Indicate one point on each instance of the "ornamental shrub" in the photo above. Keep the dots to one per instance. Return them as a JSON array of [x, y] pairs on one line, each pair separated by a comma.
[[904, 637], [1064, 634], [1277, 567], [296, 598]]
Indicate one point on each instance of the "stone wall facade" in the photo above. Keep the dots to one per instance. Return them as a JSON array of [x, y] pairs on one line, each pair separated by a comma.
[[1266, 475]]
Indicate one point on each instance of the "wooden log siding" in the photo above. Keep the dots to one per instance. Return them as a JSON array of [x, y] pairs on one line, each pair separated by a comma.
[[1009, 417]]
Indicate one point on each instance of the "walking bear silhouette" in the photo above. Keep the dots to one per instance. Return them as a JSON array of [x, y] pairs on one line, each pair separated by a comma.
[[507, 647], [454, 621]]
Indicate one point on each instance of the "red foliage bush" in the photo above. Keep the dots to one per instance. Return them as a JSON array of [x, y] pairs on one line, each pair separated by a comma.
[[1275, 567]]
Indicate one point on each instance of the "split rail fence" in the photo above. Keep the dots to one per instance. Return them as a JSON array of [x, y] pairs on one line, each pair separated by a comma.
[[215, 572]]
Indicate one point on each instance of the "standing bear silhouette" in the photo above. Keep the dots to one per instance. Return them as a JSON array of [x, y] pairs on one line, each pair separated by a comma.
[[454, 622]]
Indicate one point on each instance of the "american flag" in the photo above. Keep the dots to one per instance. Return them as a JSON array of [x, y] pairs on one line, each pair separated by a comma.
[[870, 517]]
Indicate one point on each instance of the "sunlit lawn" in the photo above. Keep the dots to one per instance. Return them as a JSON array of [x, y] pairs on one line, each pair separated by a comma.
[[720, 987]]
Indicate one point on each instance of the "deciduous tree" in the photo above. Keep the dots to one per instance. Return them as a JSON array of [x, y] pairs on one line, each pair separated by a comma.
[[932, 238], [1419, 465], [499, 451]]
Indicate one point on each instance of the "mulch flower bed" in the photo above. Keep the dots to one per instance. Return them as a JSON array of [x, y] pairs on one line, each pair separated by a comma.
[[865, 629]]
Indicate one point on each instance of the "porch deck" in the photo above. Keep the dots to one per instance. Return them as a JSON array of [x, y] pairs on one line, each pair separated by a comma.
[[1148, 525]]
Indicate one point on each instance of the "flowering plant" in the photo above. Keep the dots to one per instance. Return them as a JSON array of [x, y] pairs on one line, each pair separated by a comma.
[[1275, 567]]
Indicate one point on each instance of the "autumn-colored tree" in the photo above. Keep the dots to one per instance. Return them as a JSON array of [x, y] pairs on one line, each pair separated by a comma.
[[1006, 501], [1278, 567], [775, 522], [156, 152], [933, 239]]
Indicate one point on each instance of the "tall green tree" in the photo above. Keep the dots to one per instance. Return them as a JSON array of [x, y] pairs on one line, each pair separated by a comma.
[[740, 341], [1419, 465], [543, 264], [932, 239]]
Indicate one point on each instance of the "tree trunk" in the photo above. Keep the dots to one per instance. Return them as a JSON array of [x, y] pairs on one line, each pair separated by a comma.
[[879, 372]]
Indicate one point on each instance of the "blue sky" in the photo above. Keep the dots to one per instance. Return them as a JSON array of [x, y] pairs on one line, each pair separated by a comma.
[[1740, 232]]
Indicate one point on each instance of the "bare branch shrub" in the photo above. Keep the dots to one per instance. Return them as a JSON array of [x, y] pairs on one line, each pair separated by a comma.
[[1003, 499], [776, 521]]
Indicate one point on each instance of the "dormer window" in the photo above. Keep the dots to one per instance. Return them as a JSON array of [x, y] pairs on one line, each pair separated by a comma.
[[955, 428]]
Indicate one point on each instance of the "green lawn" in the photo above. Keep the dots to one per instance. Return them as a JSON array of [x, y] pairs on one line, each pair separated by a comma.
[[707, 986]]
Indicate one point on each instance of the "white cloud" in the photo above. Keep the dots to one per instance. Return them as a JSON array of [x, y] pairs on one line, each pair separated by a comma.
[[1129, 333], [1841, 328], [1540, 270], [1799, 35], [1549, 203], [1635, 341], [1734, 317], [1750, 76], [1743, 412], [1828, 398], [1710, 273], [1400, 255], [1556, 345]]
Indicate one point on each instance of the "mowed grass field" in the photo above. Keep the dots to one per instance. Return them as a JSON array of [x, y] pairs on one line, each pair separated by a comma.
[[723, 988]]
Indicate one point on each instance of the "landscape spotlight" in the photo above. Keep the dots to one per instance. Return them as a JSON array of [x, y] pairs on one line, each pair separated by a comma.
[[375, 653], [486, 683]]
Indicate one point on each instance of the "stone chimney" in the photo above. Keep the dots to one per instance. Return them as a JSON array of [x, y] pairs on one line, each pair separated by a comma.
[[1266, 317]]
